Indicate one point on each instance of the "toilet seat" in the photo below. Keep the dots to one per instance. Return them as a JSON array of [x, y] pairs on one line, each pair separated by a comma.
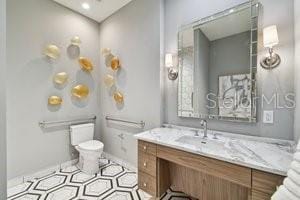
[[92, 145]]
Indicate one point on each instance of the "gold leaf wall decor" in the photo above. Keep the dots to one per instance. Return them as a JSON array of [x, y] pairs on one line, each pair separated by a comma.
[[52, 51], [61, 78], [76, 41], [86, 64], [109, 80], [108, 60], [105, 52], [115, 63], [55, 100], [119, 97], [80, 91]]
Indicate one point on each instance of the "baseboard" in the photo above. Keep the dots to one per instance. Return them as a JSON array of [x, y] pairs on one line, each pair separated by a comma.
[[44, 172], [120, 161]]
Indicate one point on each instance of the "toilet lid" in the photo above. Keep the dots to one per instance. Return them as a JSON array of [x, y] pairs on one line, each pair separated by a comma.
[[92, 145]]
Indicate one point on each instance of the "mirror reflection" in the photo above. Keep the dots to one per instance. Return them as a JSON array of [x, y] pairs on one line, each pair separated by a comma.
[[215, 66]]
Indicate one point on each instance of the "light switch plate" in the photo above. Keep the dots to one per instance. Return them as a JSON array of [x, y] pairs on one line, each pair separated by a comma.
[[268, 117]]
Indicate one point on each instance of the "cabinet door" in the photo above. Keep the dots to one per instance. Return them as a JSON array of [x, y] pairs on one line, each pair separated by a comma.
[[205, 187], [265, 182], [147, 183], [258, 195], [220, 189], [147, 163]]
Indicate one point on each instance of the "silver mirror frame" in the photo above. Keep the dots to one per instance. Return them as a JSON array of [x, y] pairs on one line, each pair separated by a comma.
[[255, 8]]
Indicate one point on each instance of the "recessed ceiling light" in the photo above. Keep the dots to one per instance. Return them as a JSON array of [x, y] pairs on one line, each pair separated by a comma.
[[231, 10], [85, 6]]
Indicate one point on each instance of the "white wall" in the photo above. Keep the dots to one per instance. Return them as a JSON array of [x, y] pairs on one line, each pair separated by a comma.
[[178, 12], [133, 34], [2, 99], [32, 24], [297, 68]]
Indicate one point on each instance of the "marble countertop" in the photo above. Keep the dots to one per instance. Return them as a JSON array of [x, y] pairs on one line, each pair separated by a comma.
[[265, 154]]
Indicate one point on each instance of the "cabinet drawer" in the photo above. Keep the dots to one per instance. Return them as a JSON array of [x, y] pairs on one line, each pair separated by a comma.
[[147, 183], [147, 147], [258, 195], [265, 182], [147, 163]]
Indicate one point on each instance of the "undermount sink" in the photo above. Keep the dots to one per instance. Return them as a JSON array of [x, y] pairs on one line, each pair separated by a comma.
[[199, 141]]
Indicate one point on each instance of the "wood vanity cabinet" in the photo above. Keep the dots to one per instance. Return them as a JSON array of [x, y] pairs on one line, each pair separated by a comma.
[[264, 184], [147, 167], [160, 167]]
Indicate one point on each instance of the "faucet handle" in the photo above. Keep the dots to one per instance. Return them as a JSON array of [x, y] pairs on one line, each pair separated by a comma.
[[203, 122], [195, 131], [216, 134]]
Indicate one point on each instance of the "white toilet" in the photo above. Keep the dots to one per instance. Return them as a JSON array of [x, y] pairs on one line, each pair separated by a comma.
[[89, 150]]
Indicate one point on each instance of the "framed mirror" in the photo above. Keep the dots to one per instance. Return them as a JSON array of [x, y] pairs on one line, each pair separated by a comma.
[[217, 59]]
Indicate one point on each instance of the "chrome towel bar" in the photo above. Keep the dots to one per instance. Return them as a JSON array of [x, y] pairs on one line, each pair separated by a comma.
[[44, 124], [141, 123]]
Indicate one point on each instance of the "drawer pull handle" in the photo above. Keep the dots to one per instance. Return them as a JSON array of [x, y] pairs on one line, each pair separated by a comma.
[[145, 148], [145, 184], [145, 164]]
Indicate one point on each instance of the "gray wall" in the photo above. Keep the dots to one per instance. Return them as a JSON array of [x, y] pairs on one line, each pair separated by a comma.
[[178, 12], [32, 24], [201, 78], [2, 99], [297, 68], [133, 34], [229, 55]]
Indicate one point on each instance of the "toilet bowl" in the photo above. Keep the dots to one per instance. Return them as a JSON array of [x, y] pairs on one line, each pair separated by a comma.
[[89, 154], [89, 150]]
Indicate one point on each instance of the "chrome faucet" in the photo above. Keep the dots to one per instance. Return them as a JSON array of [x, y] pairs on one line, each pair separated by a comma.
[[203, 124]]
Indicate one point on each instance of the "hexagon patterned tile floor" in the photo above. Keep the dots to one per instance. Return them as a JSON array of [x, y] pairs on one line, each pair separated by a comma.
[[113, 182]]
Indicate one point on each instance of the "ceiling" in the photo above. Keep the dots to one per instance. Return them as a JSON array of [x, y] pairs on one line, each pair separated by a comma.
[[226, 26], [99, 9]]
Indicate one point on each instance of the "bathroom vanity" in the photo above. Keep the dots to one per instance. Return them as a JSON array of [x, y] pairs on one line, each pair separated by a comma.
[[222, 166]]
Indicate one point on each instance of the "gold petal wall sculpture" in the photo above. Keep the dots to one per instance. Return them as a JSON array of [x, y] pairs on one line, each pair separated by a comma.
[[109, 80], [86, 64], [55, 100], [52, 51], [80, 91], [105, 52], [115, 63], [108, 59], [61, 78], [76, 41], [119, 98]]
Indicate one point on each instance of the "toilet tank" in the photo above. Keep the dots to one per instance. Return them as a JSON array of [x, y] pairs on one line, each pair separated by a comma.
[[81, 133]]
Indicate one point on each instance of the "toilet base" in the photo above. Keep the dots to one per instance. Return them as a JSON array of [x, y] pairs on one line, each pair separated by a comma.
[[89, 164]]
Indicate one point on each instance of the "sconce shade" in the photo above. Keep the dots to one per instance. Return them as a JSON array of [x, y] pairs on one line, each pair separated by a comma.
[[270, 36], [169, 60]]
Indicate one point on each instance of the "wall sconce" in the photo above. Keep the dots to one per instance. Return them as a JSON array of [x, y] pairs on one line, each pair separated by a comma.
[[270, 40], [172, 71]]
